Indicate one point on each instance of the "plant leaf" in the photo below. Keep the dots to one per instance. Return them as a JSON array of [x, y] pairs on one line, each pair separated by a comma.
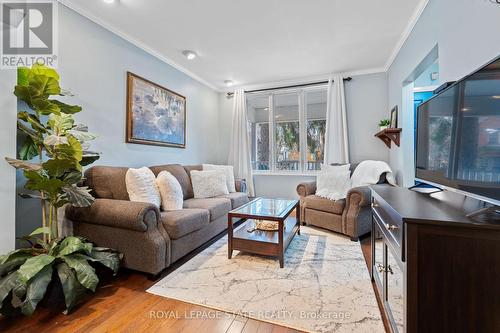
[[72, 289], [20, 164], [66, 108], [89, 157], [37, 182], [13, 260], [78, 196], [72, 177], [36, 290], [28, 149], [108, 258], [40, 231], [7, 283], [34, 265], [72, 150], [71, 245], [57, 167], [52, 140], [29, 196], [84, 272], [81, 135]]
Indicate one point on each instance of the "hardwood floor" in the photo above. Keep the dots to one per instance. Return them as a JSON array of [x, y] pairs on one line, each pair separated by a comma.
[[124, 306]]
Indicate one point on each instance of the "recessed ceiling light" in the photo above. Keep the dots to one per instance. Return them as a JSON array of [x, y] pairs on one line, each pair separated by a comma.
[[496, 97], [229, 83], [465, 109], [109, 1], [190, 55]]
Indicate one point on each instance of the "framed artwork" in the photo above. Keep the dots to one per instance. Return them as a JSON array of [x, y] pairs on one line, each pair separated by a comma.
[[394, 117], [155, 115]]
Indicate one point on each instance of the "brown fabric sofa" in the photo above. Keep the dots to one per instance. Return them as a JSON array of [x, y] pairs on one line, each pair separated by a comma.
[[150, 239], [350, 216]]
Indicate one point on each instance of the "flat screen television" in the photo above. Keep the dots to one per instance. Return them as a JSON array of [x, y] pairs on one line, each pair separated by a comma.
[[458, 136]]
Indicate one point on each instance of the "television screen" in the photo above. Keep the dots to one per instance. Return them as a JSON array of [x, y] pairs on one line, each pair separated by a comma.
[[458, 135]]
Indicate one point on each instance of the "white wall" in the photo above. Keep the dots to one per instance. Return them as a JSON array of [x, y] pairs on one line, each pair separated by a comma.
[[93, 64], [464, 32], [366, 102], [8, 108]]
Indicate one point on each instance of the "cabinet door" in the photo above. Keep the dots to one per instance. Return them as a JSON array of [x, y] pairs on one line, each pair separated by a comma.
[[395, 290], [378, 265]]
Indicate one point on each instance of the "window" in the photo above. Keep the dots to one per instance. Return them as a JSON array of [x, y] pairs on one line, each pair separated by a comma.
[[258, 124], [287, 130], [315, 102]]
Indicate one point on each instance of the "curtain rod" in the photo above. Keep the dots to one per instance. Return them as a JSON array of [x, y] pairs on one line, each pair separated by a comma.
[[229, 94]]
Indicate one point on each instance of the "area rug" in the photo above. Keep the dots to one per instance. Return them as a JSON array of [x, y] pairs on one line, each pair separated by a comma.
[[324, 287]]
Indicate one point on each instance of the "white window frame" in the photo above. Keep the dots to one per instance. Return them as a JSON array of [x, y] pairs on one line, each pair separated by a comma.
[[302, 103]]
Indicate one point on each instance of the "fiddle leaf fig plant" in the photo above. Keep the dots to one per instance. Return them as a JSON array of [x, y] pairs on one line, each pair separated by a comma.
[[51, 156]]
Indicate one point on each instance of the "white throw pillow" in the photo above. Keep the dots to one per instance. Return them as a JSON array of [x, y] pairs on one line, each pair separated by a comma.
[[141, 186], [228, 172], [333, 185], [170, 189], [208, 184]]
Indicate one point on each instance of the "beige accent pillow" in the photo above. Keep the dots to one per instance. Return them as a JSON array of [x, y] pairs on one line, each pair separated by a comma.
[[208, 184], [228, 172], [141, 186], [170, 189]]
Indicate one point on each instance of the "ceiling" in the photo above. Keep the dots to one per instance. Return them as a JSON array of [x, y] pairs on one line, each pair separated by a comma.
[[259, 41]]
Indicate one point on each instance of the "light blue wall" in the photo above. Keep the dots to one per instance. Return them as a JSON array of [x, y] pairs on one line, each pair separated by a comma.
[[93, 64], [466, 34]]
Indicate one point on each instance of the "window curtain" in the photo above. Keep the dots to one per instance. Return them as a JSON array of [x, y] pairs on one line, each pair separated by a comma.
[[239, 149], [336, 141]]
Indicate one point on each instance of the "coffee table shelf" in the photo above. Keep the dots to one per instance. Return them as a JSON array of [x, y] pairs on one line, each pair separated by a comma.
[[270, 243]]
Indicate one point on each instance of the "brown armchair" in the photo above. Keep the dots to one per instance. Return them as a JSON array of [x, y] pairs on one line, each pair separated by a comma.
[[350, 216]]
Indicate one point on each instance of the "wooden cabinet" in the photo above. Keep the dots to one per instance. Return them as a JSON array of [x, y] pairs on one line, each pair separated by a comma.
[[435, 269]]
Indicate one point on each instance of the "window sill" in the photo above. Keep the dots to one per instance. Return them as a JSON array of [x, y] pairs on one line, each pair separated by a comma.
[[293, 174]]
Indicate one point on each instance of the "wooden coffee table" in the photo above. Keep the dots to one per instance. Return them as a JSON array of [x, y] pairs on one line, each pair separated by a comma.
[[270, 243]]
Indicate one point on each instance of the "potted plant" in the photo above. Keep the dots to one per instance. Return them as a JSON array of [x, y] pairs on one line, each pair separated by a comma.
[[383, 124], [51, 136]]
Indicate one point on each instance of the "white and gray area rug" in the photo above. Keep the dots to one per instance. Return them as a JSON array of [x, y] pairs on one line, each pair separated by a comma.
[[324, 287]]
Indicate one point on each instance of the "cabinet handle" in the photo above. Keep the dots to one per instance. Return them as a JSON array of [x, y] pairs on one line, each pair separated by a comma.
[[374, 205], [380, 268], [389, 269], [391, 227]]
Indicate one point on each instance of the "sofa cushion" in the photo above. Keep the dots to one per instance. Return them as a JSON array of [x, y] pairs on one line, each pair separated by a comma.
[[216, 206], [178, 172], [107, 182], [237, 199], [179, 223], [324, 205]]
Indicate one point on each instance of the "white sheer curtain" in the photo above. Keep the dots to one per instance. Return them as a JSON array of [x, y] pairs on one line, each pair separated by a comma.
[[336, 141], [239, 149]]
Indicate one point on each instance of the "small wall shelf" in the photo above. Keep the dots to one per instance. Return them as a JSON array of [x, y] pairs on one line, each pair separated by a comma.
[[389, 135]]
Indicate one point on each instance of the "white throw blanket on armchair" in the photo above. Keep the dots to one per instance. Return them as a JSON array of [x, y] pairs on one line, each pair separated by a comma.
[[369, 172]]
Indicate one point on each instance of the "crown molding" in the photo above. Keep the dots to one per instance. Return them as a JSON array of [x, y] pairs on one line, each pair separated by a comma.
[[137, 43], [406, 33]]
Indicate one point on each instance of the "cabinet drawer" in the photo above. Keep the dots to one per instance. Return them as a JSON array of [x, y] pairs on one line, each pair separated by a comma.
[[391, 225]]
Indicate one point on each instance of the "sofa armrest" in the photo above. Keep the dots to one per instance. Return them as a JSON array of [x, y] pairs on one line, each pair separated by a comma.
[[241, 185], [307, 188], [358, 196], [123, 214]]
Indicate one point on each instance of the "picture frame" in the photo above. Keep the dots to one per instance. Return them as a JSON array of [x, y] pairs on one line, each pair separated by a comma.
[[394, 117], [155, 115]]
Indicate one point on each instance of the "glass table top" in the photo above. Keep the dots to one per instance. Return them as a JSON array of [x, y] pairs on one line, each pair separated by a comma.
[[266, 207]]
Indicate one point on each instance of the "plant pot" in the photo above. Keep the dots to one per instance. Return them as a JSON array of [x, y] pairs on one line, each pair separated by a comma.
[[383, 127]]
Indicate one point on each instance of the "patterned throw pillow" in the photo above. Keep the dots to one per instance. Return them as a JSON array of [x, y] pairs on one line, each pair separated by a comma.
[[208, 184], [228, 172]]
